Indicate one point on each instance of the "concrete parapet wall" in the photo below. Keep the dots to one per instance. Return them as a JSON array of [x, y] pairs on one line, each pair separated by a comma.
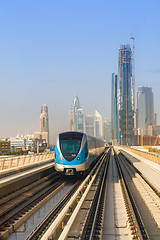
[[150, 156], [21, 161]]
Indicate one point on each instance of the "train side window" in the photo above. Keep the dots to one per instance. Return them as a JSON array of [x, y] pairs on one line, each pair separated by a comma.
[[86, 151]]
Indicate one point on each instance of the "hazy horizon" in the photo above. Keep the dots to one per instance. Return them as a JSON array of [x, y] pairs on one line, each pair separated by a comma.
[[54, 50]]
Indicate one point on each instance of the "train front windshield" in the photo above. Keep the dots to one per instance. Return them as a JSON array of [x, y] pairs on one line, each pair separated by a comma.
[[70, 144]]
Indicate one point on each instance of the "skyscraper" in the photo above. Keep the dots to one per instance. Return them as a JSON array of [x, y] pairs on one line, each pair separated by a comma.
[[80, 120], [109, 132], [89, 125], [145, 109], [44, 128], [76, 106], [76, 120], [114, 110], [98, 129], [125, 96], [105, 133], [107, 127], [71, 119]]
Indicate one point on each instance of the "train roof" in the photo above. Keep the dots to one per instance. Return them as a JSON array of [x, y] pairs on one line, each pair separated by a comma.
[[76, 135], [71, 134]]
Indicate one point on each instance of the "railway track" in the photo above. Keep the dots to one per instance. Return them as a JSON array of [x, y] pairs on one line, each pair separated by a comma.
[[135, 221], [81, 212], [93, 227], [53, 227], [18, 206], [21, 205], [144, 199], [130, 164]]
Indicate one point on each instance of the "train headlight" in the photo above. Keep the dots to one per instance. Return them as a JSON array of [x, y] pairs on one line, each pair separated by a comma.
[[61, 158], [78, 158]]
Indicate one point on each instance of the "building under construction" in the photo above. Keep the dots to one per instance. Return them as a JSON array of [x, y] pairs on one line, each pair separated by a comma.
[[125, 96], [146, 140]]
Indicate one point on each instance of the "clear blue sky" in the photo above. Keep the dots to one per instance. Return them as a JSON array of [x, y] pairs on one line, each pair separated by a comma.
[[51, 51]]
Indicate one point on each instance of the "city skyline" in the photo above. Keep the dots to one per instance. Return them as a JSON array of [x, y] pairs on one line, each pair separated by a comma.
[[49, 54], [92, 125]]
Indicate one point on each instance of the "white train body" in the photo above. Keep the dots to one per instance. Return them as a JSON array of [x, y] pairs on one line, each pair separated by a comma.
[[75, 152]]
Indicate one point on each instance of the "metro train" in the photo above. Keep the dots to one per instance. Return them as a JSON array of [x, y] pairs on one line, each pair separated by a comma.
[[75, 152]]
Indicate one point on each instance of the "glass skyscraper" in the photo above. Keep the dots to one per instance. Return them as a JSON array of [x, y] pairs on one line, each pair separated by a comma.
[[125, 96], [145, 109], [89, 125], [114, 110], [76, 120], [98, 127]]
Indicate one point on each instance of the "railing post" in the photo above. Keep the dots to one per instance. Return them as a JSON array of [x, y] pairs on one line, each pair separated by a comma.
[[34, 158], [23, 160], [39, 156], [18, 159], [3, 163], [29, 159], [10, 165]]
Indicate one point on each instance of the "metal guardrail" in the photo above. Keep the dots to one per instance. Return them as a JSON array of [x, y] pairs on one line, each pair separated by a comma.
[[19, 161]]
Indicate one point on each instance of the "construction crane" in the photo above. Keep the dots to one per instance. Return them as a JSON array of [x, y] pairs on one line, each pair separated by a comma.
[[156, 139], [142, 135], [133, 77]]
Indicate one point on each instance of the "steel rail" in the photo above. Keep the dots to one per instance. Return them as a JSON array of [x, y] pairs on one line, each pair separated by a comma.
[[141, 174], [44, 223], [141, 232], [103, 184], [8, 222], [16, 195], [81, 200], [51, 222]]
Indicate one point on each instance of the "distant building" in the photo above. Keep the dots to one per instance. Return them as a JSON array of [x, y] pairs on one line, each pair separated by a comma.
[[21, 143], [40, 139], [141, 140], [44, 128], [125, 96], [76, 119], [76, 106], [145, 109], [71, 119], [155, 119], [154, 130], [5, 146], [114, 110], [37, 135], [89, 125], [109, 131], [105, 129], [98, 129], [80, 120]]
